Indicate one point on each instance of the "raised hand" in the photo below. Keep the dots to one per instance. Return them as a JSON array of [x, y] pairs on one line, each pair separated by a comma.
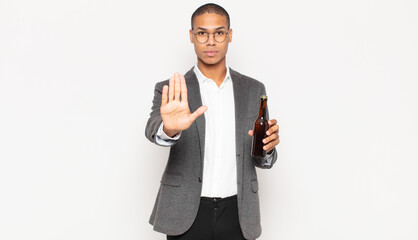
[[174, 108]]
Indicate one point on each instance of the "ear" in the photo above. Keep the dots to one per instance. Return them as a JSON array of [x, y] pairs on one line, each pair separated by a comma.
[[191, 36], [230, 35]]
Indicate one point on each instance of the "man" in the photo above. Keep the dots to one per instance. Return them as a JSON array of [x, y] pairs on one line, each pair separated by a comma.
[[209, 189]]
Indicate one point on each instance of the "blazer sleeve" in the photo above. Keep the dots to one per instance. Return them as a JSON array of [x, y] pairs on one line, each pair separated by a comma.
[[260, 163]]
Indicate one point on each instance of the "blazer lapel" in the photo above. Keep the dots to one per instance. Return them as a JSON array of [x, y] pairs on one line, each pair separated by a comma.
[[240, 99], [195, 101]]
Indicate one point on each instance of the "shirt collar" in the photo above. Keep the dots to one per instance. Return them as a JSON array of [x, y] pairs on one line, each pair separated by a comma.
[[202, 78]]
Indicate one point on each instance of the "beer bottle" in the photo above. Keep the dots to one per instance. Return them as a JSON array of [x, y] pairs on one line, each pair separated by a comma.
[[260, 128]]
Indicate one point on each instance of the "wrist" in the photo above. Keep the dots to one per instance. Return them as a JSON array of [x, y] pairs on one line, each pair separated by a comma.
[[170, 133]]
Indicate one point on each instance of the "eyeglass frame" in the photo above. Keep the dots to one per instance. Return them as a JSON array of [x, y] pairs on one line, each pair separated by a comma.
[[226, 33]]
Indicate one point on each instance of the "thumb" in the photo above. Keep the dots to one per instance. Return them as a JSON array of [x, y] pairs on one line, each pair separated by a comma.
[[251, 132], [198, 112]]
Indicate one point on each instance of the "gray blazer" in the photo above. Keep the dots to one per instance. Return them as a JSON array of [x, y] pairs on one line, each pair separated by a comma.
[[178, 198]]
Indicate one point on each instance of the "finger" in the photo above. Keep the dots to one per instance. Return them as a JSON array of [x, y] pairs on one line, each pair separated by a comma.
[[177, 89], [251, 133], [198, 112], [183, 89], [272, 122], [272, 130], [269, 139], [271, 145], [171, 89], [164, 96]]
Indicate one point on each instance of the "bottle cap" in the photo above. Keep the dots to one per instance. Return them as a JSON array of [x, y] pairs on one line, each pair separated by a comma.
[[263, 97]]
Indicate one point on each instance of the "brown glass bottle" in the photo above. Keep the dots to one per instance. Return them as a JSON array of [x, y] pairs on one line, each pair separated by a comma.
[[260, 128]]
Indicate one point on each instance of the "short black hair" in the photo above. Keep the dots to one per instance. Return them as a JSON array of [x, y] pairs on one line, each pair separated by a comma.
[[211, 8]]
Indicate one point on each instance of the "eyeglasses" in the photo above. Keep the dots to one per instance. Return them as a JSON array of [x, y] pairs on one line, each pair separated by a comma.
[[203, 37]]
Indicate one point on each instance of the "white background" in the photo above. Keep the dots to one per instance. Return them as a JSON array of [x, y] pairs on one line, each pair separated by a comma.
[[76, 85]]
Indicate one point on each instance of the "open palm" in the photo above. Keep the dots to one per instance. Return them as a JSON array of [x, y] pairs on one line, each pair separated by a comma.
[[174, 110]]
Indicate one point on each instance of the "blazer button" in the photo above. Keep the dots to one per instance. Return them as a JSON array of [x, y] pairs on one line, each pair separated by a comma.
[[200, 179]]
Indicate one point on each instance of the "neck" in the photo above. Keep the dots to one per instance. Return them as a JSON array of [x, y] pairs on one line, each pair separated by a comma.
[[216, 72]]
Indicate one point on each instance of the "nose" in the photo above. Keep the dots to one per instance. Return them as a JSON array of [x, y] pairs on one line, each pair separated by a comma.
[[211, 40]]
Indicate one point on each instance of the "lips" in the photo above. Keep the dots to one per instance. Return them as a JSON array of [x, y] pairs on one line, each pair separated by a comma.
[[210, 53]]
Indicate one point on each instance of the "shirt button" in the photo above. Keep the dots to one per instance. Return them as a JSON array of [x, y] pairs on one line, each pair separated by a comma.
[[200, 179]]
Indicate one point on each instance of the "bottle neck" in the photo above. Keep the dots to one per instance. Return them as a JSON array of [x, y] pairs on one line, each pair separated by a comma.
[[263, 109]]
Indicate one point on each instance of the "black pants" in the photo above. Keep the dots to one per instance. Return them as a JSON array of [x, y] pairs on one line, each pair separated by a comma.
[[217, 219]]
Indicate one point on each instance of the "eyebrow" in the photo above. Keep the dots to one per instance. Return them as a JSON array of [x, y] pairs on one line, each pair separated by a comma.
[[208, 29]]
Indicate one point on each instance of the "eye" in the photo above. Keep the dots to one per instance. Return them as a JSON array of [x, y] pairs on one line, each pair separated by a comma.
[[220, 33], [201, 33]]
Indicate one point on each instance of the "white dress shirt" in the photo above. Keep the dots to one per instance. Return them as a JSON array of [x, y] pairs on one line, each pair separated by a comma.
[[220, 164], [219, 167]]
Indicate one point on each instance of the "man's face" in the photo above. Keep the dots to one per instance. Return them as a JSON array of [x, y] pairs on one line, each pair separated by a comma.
[[210, 52]]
